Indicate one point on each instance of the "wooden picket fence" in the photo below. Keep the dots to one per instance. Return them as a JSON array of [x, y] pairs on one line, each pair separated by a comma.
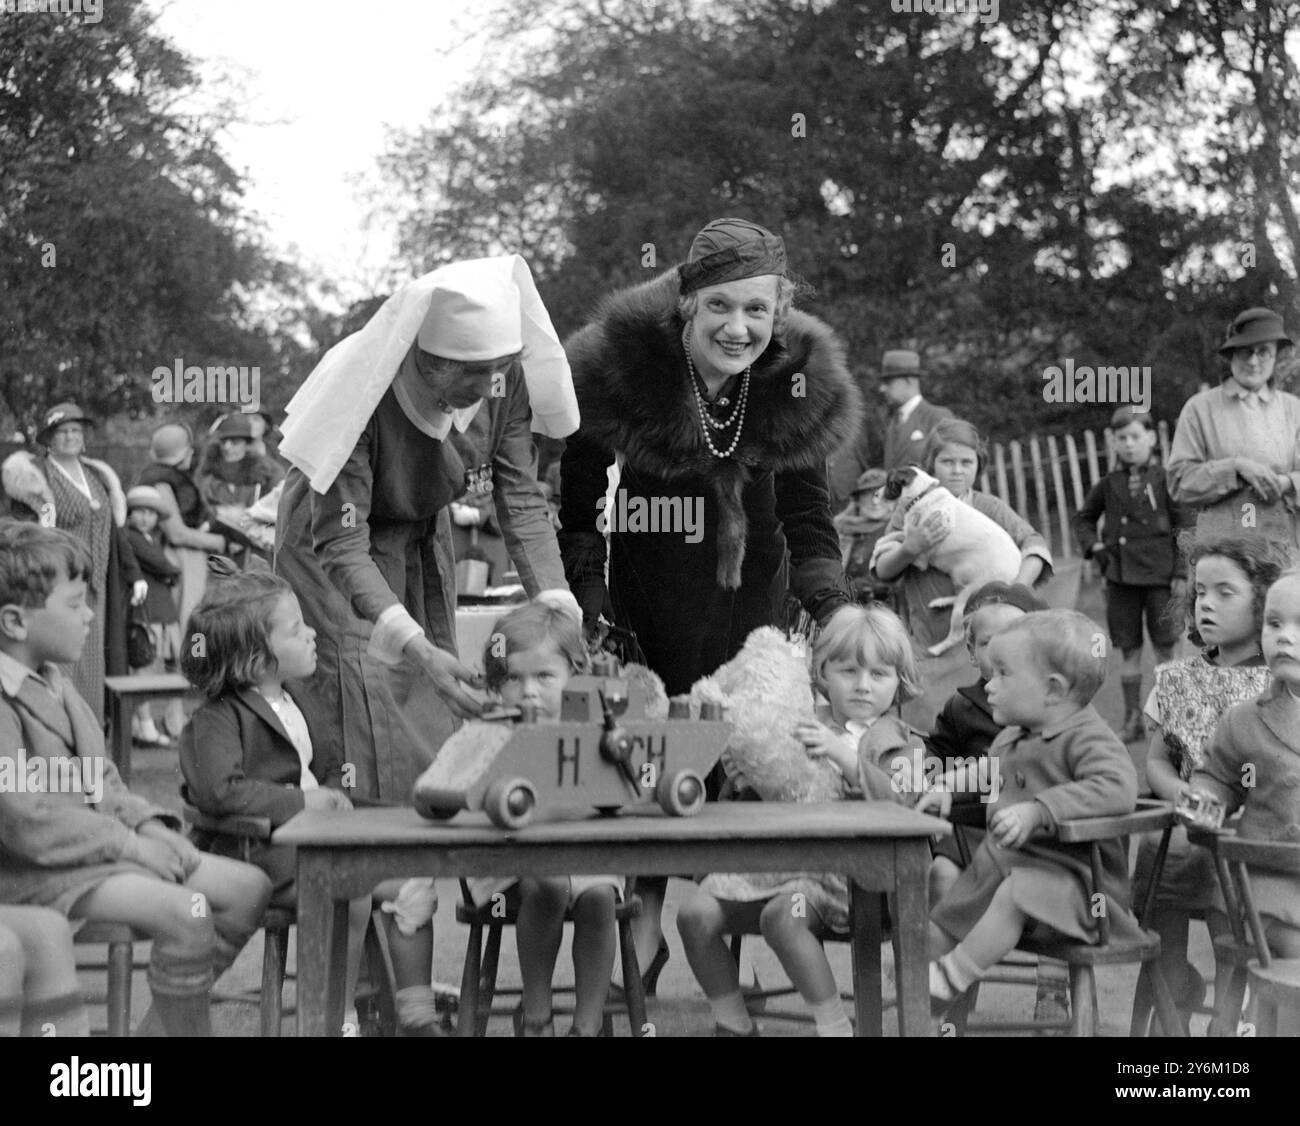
[[1043, 479]]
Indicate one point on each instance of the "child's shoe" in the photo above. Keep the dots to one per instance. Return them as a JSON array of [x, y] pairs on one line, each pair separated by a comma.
[[943, 993], [723, 1030], [526, 1027]]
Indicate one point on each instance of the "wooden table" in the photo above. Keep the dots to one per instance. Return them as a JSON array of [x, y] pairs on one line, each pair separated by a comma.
[[881, 847], [124, 694]]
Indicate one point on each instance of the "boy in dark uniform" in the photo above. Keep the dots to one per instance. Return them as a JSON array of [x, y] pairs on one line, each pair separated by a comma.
[[1138, 553]]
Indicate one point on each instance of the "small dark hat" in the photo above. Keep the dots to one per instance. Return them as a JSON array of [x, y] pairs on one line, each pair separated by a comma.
[[57, 415], [1005, 594], [234, 425], [1254, 326], [873, 480], [1127, 414], [900, 362], [729, 250]]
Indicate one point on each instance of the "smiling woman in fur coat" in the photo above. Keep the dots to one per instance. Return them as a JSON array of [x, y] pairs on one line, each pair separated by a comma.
[[720, 404]]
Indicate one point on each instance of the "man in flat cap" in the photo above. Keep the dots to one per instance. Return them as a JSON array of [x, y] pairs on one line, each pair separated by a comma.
[[911, 417]]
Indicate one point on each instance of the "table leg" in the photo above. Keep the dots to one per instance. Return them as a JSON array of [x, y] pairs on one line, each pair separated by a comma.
[[121, 726], [322, 954], [865, 923], [911, 936]]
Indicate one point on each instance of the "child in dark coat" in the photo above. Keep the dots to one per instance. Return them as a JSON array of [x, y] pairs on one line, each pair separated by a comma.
[[1138, 554], [145, 508], [252, 750]]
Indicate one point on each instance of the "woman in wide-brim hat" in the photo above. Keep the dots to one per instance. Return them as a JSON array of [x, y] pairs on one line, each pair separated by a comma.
[[720, 403], [63, 488], [1236, 450]]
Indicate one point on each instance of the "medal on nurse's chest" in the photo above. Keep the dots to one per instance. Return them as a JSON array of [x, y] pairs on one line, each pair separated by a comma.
[[478, 481]]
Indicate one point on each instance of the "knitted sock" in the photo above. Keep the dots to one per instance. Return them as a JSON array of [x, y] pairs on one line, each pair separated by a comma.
[[417, 1007], [941, 989], [180, 985], [64, 1015], [730, 1012], [830, 1018], [961, 968], [1132, 686]]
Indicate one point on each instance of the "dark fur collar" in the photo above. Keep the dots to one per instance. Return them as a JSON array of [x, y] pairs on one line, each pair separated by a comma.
[[629, 370]]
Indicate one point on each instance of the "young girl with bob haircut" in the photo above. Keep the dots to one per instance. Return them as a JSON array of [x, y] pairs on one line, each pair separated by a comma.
[[862, 661], [532, 653], [251, 750]]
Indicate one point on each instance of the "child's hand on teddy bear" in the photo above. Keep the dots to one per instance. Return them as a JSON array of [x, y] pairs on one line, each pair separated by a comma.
[[821, 742]]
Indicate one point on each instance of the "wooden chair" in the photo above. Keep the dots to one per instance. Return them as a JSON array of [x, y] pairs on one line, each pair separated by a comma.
[[277, 920], [118, 966], [1274, 982], [1233, 952], [478, 988], [1083, 958]]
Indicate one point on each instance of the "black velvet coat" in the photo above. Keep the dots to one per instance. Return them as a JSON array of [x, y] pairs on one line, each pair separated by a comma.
[[766, 527]]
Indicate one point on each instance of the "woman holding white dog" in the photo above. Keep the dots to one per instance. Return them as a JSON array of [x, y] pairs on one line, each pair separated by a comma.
[[955, 455]]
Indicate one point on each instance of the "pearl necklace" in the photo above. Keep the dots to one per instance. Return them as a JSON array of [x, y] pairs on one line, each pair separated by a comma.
[[706, 421]]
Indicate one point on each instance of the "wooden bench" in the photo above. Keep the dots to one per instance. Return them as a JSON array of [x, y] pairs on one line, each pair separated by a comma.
[[125, 693]]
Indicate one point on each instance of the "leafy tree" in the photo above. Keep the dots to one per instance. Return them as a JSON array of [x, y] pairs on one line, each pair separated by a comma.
[[122, 243], [973, 189]]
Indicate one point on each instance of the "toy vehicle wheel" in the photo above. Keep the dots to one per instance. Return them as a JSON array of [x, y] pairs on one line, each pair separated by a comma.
[[510, 803], [608, 810], [438, 805], [680, 794], [440, 812]]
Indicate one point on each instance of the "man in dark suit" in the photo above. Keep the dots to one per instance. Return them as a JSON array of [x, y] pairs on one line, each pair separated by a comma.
[[911, 417]]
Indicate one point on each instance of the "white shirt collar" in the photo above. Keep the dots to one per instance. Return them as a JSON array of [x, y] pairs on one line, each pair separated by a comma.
[[905, 411], [410, 390]]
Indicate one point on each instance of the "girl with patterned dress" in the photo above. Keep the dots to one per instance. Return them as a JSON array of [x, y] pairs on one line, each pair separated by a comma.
[[1231, 577]]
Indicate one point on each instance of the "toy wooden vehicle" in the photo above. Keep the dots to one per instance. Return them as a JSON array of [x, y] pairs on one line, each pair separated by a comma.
[[604, 752]]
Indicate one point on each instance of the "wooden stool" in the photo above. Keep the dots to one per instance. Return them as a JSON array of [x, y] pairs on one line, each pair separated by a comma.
[[479, 978], [276, 923], [124, 694], [1274, 982], [119, 965]]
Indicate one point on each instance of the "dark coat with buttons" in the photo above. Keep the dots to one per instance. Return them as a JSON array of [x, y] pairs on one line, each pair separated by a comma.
[[1140, 534], [237, 758], [965, 729]]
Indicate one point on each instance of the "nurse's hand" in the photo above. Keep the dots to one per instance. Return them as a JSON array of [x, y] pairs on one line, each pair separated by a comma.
[[448, 676]]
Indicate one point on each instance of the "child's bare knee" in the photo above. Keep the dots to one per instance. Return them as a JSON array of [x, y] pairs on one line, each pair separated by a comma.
[[700, 919], [547, 891], [785, 915], [595, 905]]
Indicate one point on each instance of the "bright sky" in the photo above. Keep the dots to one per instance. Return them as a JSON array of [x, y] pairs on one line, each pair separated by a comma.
[[317, 83]]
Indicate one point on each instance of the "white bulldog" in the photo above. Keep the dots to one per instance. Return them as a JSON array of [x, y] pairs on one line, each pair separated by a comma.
[[974, 550]]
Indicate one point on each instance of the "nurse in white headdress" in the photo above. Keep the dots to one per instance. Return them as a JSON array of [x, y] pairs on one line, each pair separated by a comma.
[[438, 396]]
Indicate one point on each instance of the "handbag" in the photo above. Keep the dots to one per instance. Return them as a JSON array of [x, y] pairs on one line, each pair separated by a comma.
[[141, 650]]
